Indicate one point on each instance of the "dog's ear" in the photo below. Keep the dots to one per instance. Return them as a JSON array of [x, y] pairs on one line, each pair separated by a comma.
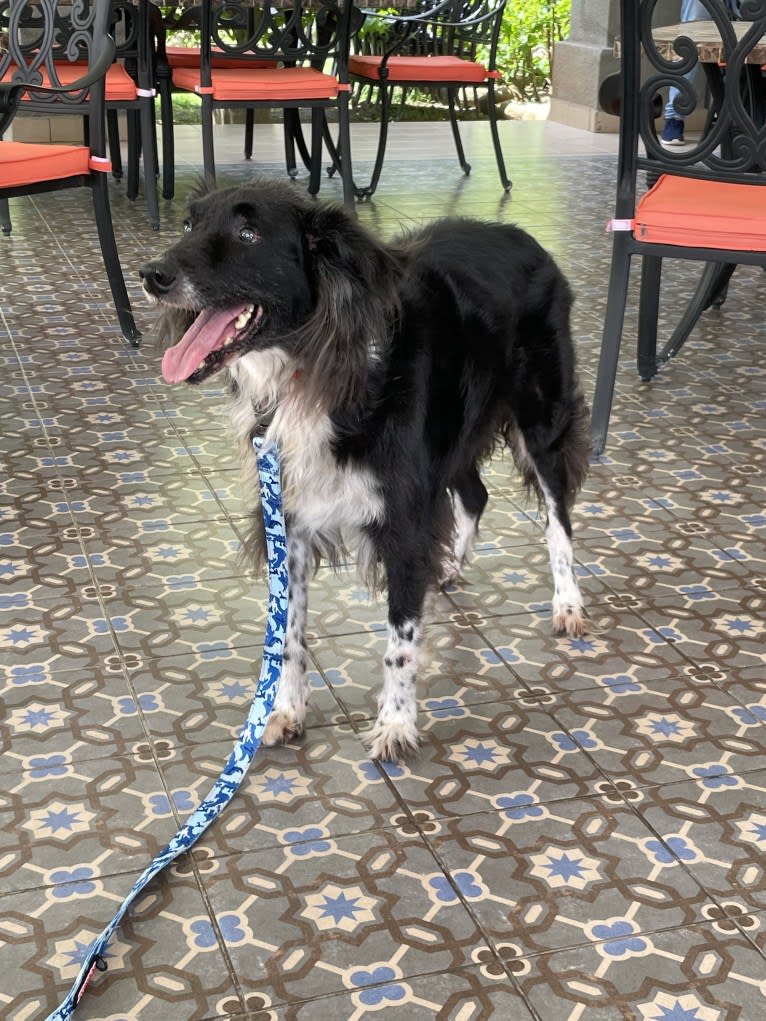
[[354, 284]]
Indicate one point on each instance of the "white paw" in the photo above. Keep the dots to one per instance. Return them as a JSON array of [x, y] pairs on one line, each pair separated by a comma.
[[569, 620], [393, 740], [281, 728]]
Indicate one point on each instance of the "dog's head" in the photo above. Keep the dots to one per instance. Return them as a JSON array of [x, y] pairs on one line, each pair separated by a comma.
[[261, 266]]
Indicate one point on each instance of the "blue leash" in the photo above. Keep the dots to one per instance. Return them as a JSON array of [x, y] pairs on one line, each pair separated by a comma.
[[227, 784]]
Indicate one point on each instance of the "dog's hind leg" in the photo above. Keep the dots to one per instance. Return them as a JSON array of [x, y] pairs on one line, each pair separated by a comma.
[[469, 498], [557, 476], [568, 607], [288, 717]]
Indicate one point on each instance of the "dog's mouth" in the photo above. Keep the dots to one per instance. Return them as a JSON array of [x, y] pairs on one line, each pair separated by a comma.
[[214, 340]]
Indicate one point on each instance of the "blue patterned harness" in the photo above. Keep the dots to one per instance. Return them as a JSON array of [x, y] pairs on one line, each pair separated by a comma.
[[228, 783]]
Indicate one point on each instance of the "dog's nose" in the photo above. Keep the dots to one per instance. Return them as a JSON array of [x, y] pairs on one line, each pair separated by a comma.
[[157, 278]]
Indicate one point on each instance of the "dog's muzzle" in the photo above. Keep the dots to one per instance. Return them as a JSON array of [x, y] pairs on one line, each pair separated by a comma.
[[158, 278]]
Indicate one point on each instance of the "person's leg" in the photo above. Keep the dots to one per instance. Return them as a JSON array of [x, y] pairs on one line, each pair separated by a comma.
[[673, 132]]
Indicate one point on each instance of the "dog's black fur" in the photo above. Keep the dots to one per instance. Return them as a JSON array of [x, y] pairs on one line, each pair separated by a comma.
[[388, 373]]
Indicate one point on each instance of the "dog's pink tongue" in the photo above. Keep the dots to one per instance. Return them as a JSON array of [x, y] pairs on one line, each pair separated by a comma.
[[208, 331]]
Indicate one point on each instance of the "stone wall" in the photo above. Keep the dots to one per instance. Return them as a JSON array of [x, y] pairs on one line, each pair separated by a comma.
[[581, 62]]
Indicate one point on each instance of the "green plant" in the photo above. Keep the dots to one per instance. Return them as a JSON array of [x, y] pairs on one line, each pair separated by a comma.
[[525, 52]]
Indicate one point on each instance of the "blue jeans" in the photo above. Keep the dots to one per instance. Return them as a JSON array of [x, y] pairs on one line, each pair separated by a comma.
[[691, 10]]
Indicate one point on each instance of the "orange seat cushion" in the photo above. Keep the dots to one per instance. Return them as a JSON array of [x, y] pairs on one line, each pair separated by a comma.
[[703, 214], [119, 87], [419, 69], [258, 83], [188, 56], [30, 162]]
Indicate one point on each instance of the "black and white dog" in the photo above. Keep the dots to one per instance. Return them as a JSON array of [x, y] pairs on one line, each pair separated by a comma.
[[386, 373]]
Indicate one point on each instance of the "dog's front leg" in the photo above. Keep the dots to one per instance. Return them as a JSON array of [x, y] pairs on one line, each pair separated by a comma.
[[288, 717], [395, 733]]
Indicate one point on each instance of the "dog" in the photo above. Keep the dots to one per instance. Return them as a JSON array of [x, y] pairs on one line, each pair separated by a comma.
[[386, 374]]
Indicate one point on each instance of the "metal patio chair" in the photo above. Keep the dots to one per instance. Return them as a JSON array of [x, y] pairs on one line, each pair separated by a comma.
[[704, 201], [435, 48], [291, 56], [30, 64]]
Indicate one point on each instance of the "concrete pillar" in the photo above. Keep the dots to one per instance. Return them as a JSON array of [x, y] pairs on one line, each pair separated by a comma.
[[581, 62]]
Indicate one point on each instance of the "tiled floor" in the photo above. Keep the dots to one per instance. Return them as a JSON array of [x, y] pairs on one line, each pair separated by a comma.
[[583, 833]]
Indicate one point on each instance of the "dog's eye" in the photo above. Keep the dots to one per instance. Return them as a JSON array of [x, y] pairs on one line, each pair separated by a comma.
[[187, 226], [248, 235]]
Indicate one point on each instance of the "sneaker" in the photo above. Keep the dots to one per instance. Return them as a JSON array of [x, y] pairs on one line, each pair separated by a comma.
[[673, 132]]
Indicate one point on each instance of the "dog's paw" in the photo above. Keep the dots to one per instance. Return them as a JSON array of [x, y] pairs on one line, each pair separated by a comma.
[[281, 728], [393, 741], [450, 573], [569, 620]]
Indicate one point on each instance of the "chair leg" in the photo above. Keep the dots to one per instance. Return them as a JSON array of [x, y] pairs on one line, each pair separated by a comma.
[[368, 191], [492, 115], [288, 130], [134, 154], [294, 139], [710, 291], [300, 141], [464, 166], [111, 259], [208, 150], [249, 124], [315, 166], [610, 342], [148, 141], [113, 135], [332, 149], [342, 153], [648, 312], [168, 139], [5, 216]]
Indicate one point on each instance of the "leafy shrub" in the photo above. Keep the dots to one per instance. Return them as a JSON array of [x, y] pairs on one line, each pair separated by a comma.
[[525, 53]]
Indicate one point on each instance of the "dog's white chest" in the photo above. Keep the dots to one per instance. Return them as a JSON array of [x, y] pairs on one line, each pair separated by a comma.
[[319, 494]]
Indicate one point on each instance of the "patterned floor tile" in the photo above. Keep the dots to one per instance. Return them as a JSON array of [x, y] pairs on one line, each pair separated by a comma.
[[56, 812], [676, 560], [165, 960], [188, 614], [699, 973], [550, 876], [727, 628], [42, 557], [617, 646], [134, 554], [325, 785], [205, 697], [580, 836], [717, 826], [341, 604], [172, 500], [67, 715], [53, 634], [479, 993], [515, 580], [327, 915], [654, 734], [504, 756]]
